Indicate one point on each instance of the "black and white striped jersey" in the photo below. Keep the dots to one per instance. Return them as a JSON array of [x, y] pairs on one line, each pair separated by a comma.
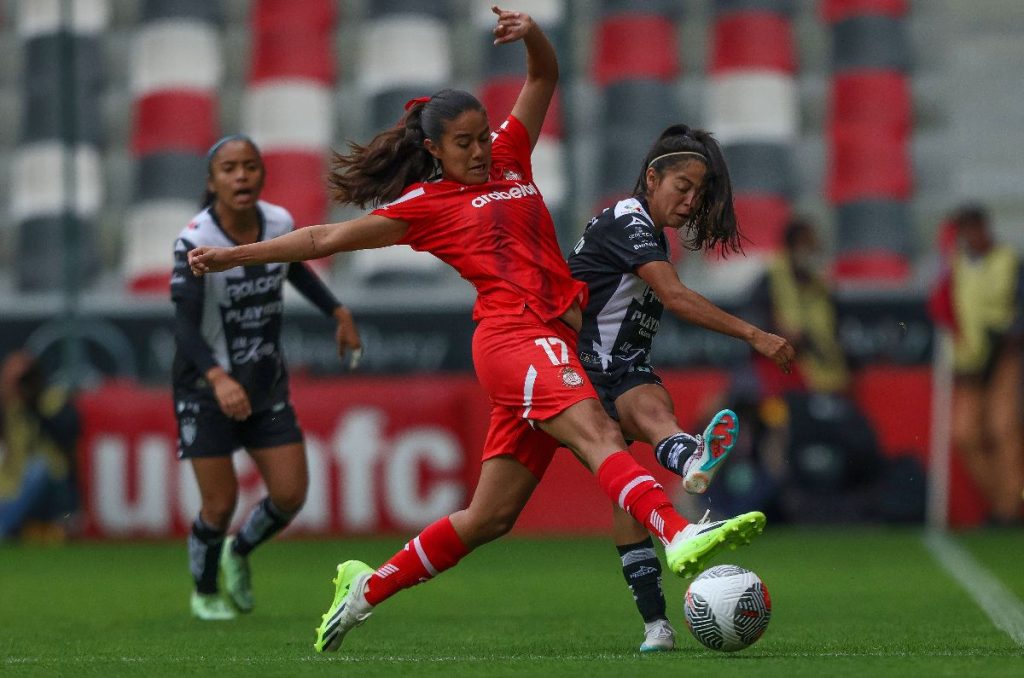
[[233, 318], [623, 313]]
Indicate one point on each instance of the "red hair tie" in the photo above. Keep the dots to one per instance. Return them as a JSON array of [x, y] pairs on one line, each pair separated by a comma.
[[418, 100]]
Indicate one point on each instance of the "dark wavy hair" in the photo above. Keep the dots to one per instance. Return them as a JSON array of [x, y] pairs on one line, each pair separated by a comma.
[[713, 223], [378, 172]]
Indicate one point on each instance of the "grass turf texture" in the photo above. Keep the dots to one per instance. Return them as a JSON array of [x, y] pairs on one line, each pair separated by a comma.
[[845, 603]]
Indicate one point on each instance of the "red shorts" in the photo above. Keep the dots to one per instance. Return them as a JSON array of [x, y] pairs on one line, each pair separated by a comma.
[[531, 373]]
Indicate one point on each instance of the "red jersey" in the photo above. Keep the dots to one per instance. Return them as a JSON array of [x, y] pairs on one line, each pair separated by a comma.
[[498, 235]]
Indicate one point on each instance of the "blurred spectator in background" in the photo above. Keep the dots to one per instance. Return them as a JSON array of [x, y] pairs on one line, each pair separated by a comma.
[[979, 298], [40, 427], [825, 457], [800, 302]]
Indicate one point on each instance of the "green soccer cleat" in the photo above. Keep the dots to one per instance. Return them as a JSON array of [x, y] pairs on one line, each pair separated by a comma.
[[689, 551], [211, 607], [237, 578], [720, 436], [349, 608]]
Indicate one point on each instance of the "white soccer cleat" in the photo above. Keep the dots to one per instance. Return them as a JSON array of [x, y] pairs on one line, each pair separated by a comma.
[[349, 608], [713, 448], [211, 607], [659, 636]]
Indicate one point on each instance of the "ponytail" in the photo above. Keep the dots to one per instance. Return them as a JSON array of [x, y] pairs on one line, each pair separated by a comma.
[[713, 223], [378, 172]]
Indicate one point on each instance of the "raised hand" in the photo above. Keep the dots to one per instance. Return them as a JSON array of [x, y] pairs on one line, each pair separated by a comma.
[[511, 26]]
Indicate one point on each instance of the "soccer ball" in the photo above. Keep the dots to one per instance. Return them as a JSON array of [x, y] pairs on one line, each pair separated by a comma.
[[727, 608]]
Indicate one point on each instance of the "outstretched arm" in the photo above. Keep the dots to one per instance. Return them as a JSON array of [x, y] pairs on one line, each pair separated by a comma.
[[541, 68], [694, 308], [312, 242]]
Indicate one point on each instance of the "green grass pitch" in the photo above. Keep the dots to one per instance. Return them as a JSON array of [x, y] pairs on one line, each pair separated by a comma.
[[846, 602]]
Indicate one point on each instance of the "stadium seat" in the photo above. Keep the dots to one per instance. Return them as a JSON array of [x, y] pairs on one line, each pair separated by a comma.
[[867, 162], [877, 99], [762, 219], [833, 11], [871, 266], [297, 180], [634, 46], [752, 40], [181, 120], [753, 106], [401, 51]]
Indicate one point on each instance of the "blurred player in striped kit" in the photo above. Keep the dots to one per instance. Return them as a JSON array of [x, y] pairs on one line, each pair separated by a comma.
[[229, 377]]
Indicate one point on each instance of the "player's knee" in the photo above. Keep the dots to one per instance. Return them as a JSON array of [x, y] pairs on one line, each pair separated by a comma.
[[290, 501], [217, 512]]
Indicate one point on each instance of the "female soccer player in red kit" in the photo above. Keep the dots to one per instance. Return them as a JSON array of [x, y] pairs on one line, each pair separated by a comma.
[[448, 185]]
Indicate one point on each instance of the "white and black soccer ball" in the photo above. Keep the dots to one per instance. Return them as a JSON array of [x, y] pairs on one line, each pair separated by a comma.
[[727, 608]]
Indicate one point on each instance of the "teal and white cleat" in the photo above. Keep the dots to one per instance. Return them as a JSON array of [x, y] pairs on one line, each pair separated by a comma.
[[349, 608], [713, 448], [689, 551], [237, 578], [659, 636], [211, 607]]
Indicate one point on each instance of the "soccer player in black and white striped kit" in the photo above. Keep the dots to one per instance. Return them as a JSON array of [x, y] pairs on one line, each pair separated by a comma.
[[229, 376], [623, 257]]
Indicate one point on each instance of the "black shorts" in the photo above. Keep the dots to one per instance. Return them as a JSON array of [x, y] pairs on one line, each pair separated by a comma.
[[205, 431], [610, 386]]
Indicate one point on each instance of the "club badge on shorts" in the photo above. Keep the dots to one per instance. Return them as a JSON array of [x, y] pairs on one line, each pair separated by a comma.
[[571, 378], [188, 430]]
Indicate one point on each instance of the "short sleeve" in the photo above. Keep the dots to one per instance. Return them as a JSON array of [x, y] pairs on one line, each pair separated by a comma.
[[631, 241], [510, 147], [412, 207]]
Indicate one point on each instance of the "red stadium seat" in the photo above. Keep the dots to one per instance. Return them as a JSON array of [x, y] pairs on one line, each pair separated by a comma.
[[838, 10], [293, 40], [290, 15], [761, 218], [635, 46], [174, 120], [875, 266], [154, 282], [498, 95], [296, 180], [292, 53], [879, 99], [868, 163], [753, 41]]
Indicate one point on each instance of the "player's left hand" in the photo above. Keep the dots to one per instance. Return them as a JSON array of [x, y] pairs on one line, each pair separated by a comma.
[[511, 26], [347, 337]]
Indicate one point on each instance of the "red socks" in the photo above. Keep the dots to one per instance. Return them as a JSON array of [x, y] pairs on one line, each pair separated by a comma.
[[639, 494], [436, 549]]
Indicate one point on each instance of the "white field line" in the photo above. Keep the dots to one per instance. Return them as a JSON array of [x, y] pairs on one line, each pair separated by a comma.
[[1000, 604]]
